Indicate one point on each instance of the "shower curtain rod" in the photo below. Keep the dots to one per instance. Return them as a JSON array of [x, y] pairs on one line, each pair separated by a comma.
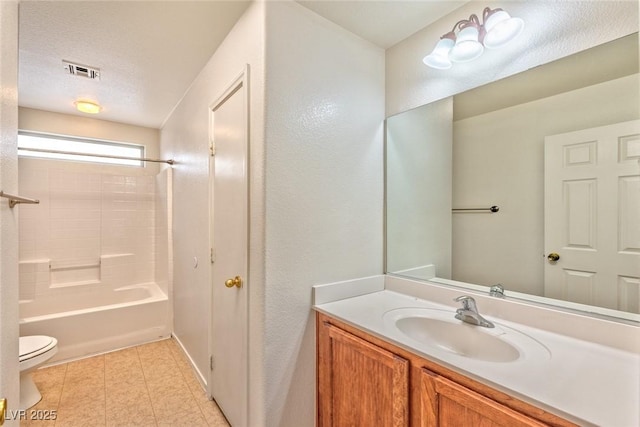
[[106, 156]]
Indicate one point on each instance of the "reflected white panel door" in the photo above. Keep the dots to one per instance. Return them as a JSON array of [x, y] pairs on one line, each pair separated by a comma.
[[592, 216], [229, 345]]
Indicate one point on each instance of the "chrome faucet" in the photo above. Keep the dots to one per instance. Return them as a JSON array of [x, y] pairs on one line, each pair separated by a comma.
[[497, 291], [469, 312]]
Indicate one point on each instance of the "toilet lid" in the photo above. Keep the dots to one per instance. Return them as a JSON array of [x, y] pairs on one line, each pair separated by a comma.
[[35, 345]]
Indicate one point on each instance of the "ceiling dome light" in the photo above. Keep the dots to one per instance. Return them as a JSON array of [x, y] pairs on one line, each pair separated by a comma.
[[89, 107], [500, 28], [439, 58], [467, 47]]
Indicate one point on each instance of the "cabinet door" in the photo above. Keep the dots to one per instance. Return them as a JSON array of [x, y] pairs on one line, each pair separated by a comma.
[[448, 404], [359, 384]]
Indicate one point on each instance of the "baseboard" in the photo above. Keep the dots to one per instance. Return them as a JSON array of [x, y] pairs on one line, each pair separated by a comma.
[[199, 376]]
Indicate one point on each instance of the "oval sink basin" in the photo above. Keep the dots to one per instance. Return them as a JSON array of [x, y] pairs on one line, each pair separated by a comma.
[[440, 330], [459, 338]]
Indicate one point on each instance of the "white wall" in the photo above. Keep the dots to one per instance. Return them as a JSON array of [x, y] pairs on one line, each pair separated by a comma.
[[9, 371], [419, 185], [324, 188], [499, 159], [553, 29], [185, 138]]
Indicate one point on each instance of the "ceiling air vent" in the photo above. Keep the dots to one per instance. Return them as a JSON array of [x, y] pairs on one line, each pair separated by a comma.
[[82, 70]]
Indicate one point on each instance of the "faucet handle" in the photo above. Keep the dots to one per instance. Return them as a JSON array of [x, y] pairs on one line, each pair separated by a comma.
[[468, 303], [497, 291]]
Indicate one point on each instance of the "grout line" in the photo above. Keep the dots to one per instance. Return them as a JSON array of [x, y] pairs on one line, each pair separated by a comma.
[[199, 401], [104, 386], [146, 385], [176, 353], [186, 380], [64, 377]]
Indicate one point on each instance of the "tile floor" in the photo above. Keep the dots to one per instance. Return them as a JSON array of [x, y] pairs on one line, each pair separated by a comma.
[[148, 385]]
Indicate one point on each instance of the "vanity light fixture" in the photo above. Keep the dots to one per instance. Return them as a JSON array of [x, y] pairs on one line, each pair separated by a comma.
[[468, 38], [89, 107]]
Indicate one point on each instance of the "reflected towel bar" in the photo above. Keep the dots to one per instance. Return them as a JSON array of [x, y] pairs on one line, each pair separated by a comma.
[[14, 200], [492, 209]]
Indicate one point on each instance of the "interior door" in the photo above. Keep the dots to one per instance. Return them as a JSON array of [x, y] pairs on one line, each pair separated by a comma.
[[592, 216], [229, 202]]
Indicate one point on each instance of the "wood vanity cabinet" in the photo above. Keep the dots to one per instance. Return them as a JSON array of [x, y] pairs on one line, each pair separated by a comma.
[[446, 403], [365, 381], [367, 385]]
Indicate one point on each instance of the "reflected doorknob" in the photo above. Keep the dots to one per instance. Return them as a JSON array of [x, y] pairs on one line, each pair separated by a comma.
[[236, 281], [553, 257]]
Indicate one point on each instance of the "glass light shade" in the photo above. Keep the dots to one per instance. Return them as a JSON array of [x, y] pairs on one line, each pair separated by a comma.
[[501, 28], [88, 107], [439, 58], [467, 47]]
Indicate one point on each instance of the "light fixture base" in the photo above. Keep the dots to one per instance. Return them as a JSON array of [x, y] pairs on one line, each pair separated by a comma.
[[88, 107]]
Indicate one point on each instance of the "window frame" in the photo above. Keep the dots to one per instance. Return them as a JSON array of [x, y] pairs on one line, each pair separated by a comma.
[[83, 157]]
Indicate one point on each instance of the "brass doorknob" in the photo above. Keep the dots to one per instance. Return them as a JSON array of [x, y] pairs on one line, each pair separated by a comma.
[[236, 281], [553, 257], [3, 410]]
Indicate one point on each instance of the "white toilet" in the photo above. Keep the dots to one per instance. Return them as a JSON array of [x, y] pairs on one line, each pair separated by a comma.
[[34, 351]]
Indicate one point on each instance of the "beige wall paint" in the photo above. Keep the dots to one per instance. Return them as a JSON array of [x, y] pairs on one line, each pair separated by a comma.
[[185, 137], [419, 185], [9, 370], [324, 188], [320, 146], [498, 158]]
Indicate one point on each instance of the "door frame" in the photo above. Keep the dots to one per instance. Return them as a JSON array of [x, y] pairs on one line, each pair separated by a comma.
[[9, 230], [240, 81]]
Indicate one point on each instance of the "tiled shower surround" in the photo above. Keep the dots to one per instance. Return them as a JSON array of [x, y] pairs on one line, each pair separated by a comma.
[[90, 229]]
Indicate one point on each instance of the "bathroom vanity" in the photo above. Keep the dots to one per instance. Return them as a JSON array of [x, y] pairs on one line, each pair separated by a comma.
[[390, 352], [438, 396]]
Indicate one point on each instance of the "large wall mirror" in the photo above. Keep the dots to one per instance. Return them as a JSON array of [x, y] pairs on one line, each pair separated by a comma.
[[557, 150]]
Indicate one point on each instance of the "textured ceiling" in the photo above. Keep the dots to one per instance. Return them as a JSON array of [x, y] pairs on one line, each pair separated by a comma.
[[148, 53], [383, 23]]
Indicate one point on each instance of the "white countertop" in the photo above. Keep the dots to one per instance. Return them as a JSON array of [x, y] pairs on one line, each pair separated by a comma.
[[585, 382]]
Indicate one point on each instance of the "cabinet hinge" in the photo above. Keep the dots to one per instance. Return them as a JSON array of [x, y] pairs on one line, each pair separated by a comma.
[[213, 256], [212, 149], [211, 362]]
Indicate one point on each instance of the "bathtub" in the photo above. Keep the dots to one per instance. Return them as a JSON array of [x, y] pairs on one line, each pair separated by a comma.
[[97, 321]]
